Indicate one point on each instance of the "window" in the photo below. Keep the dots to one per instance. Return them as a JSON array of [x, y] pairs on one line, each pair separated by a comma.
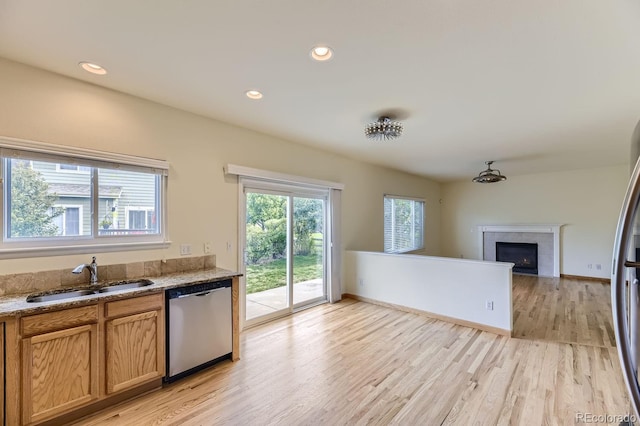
[[140, 218], [403, 224], [102, 204], [72, 168], [67, 219]]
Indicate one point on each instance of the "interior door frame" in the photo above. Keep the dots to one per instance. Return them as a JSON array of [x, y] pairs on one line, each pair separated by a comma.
[[290, 190]]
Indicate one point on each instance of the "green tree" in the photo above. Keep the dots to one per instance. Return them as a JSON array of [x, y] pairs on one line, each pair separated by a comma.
[[307, 219], [264, 207], [32, 206], [264, 246], [267, 226]]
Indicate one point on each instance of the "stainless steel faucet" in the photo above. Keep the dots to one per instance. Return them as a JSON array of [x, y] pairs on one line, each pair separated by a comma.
[[92, 267]]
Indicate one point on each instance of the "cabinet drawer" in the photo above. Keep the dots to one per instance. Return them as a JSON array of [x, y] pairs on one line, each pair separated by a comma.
[[133, 305], [51, 321]]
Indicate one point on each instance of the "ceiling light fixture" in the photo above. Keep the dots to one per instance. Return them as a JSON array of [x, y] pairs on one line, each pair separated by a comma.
[[321, 53], [489, 175], [93, 68], [253, 94], [383, 129]]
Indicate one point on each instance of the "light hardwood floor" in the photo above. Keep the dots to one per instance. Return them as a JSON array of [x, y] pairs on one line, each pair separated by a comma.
[[563, 310], [357, 363]]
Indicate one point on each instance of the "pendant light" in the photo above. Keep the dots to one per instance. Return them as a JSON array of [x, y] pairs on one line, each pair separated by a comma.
[[489, 175], [383, 129]]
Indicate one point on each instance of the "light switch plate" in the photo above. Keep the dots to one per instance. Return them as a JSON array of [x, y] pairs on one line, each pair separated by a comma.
[[185, 249]]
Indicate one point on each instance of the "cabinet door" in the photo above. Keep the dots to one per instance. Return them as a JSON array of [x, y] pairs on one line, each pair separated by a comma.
[[134, 350], [60, 372]]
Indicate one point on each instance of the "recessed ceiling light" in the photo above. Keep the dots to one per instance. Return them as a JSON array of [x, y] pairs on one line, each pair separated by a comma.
[[321, 53], [93, 68], [254, 94]]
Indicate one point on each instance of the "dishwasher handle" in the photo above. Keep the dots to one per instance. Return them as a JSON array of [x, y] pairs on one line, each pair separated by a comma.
[[202, 293]]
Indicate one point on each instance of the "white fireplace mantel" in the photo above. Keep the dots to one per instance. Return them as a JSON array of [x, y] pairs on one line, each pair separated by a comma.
[[539, 228]]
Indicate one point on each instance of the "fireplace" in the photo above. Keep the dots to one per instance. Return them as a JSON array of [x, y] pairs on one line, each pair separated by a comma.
[[524, 256], [547, 236]]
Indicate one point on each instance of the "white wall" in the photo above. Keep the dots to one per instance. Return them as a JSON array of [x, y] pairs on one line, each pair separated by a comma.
[[587, 201], [42, 106], [203, 203], [454, 288]]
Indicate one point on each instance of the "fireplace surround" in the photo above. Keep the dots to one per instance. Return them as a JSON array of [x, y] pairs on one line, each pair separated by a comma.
[[547, 236]]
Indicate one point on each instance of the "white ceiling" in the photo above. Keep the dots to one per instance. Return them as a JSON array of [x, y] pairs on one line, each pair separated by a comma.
[[538, 85]]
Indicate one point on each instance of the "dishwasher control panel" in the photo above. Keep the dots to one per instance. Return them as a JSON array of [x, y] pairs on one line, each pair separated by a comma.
[[196, 288]]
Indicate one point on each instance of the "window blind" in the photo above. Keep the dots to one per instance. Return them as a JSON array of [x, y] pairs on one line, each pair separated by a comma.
[[403, 224]]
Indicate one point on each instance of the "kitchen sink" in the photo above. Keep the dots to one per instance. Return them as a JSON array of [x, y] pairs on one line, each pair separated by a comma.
[[38, 297], [78, 292], [124, 285]]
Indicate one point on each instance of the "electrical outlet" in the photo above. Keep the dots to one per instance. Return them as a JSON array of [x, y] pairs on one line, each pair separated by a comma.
[[598, 266], [361, 282], [589, 266], [489, 305], [207, 248], [228, 245], [185, 249]]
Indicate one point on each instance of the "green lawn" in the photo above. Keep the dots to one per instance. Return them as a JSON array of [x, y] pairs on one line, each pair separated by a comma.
[[274, 274]]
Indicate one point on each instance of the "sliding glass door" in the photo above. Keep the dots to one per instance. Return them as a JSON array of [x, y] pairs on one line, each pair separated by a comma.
[[266, 254], [284, 251], [308, 251]]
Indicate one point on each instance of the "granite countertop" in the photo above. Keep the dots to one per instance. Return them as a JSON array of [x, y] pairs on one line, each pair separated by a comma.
[[16, 304]]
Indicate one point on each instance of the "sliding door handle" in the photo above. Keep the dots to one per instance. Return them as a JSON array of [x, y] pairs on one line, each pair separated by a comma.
[[630, 264]]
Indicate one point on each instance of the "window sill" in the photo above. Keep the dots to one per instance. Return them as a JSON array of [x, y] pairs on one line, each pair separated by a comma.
[[412, 251], [24, 252]]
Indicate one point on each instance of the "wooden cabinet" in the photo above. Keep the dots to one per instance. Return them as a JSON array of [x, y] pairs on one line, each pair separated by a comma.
[[90, 356], [59, 362], [11, 372], [134, 342], [2, 374]]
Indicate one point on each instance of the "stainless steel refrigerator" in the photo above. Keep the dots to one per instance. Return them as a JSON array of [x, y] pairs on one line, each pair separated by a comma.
[[625, 297]]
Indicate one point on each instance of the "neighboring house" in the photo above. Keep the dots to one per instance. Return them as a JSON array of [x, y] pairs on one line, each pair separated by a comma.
[[126, 199]]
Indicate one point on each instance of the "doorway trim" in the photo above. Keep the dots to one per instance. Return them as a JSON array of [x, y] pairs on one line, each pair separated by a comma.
[[266, 179], [233, 169]]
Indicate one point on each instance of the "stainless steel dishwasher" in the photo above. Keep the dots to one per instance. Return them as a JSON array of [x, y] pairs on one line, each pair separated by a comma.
[[199, 331]]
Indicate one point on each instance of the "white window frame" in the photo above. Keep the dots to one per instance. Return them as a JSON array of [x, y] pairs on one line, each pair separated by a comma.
[[417, 246], [80, 218], [63, 245]]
